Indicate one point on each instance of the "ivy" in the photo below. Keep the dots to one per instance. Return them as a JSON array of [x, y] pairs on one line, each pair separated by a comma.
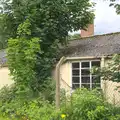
[[21, 54]]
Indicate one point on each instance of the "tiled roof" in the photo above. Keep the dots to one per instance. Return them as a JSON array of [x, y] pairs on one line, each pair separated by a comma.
[[3, 58], [98, 45]]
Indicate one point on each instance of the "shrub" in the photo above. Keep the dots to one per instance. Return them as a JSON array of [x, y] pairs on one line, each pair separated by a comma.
[[23, 104], [82, 105], [88, 105]]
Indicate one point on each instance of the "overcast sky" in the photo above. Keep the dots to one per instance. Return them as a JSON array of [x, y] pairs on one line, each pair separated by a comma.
[[106, 19]]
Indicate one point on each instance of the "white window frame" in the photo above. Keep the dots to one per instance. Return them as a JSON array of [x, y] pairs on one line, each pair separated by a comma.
[[80, 61]]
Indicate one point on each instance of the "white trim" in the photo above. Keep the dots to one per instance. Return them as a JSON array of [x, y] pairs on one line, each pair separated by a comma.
[[70, 64], [87, 58], [80, 74], [90, 75], [90, 66], [82, 58]]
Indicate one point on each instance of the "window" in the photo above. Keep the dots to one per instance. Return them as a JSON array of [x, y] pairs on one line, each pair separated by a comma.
[[81, 75]]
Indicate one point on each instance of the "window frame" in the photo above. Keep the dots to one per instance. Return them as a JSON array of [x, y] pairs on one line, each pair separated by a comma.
[[80, 76]]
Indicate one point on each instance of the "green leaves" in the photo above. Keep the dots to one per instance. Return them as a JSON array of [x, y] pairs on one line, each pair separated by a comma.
[[116, 5], [111, 71], [54, 18], [24, 28], [40, 25], [22, 55]]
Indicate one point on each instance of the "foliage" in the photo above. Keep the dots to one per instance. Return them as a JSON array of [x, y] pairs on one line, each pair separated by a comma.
[[83, 105], [73, 37], [45, 64], [88, 105], [39, 23], [32, 110], [111, 71], [50, 19], [21, 54], [48, 90], [116, 5], [83, 101], [3, 42], [3, 36], [15, 104]]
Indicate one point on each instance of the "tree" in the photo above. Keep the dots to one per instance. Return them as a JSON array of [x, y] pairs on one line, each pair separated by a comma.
[[73, 37], [50, 21], [111, 71], [115, 5], [22, 55]]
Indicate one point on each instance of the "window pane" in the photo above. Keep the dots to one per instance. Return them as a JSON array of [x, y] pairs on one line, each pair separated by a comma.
[[95, 63], [75, 72], [85, 85], [96, 79], [74, 86], [75, 79], [85, 72], [75, 65], [85, 64], [85, 79]]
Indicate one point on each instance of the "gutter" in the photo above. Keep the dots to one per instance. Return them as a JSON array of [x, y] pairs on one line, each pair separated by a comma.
[[87, 57]]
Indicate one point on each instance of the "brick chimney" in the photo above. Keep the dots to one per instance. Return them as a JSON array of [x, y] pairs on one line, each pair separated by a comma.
[[88, 32]]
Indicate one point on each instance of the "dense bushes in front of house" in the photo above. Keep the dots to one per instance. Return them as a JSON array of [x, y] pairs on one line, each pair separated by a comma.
[[89, 105], [82, 105], [25, 105]]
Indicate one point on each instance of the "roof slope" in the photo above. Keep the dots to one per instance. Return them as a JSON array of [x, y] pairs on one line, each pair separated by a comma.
[[98, 45], [3, 58]]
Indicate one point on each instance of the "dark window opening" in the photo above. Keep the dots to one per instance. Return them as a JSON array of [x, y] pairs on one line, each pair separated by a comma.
[[85, 64]]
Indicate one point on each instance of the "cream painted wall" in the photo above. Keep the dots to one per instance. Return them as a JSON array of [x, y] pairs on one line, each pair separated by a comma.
[[108, 87], [5, 79], [65, 72]]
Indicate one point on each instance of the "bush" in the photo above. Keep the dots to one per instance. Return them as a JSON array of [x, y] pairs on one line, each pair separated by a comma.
[[31, 110], [82, 105], [88, 105], [22, 103], [83, 101]]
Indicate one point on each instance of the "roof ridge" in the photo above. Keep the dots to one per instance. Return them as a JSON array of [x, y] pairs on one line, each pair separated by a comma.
[[107, 34]]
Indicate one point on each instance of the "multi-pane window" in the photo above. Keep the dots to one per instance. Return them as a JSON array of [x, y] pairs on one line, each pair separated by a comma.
[[81, 75]]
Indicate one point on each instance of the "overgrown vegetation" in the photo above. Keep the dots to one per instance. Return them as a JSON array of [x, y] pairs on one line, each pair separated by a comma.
[[49, 23], [111, 71], [74, 37], [22, 55], [83, 105], [18, 105], [34, 30]]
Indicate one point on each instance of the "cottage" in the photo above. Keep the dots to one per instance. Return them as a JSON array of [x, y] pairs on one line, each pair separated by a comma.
[[83, 54], [80, 56]]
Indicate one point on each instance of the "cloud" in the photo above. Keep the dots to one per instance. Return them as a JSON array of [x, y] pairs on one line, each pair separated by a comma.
[[106, 19]]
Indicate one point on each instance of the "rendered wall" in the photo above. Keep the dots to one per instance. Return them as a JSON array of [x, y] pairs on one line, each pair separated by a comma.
[[112, 95], [65, 72], [4, 77]]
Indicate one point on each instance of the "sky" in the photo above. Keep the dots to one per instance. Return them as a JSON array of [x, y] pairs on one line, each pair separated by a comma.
[[106, 19]]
